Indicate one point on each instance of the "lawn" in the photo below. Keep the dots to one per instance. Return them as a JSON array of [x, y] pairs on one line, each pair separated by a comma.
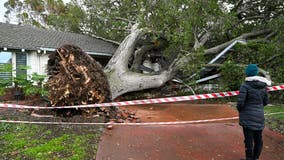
[[275, 122], [72, 142], [48, 142]]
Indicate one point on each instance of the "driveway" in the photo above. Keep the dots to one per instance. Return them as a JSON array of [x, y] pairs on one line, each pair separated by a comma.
[[206, 141]]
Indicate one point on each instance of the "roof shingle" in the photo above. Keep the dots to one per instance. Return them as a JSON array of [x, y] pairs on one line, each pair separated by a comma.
[[31, 38]]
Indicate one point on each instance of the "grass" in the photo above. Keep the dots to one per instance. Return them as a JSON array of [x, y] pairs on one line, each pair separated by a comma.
[[275, 122], [52, 142], [275, 109], [22, 141]]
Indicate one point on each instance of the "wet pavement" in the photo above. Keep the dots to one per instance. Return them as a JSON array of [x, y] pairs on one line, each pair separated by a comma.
[[210, 141]]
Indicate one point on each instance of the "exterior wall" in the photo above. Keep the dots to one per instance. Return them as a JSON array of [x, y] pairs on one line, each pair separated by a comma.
[[37, 62], [32, 62], [14, 64], [43, 58]]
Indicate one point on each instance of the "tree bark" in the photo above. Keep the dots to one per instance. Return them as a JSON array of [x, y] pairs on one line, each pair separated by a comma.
[[138, 55], [122, 79]]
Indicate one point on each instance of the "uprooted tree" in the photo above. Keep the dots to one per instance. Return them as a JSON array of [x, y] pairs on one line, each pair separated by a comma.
[[179, 31], [122, 79], [76, 78]]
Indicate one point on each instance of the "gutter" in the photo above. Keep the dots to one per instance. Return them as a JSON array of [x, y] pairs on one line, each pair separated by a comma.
[[45, 50], [88, 52]]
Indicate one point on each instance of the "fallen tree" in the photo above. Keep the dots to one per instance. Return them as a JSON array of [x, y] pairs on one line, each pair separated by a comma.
[[123, 80], [190, 26], [76, 78]]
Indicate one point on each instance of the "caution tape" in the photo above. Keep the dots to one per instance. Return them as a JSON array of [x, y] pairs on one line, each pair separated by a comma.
[[130, 124], [144, 101]]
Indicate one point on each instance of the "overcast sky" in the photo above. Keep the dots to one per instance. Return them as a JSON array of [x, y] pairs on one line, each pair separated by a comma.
[[2, 10]]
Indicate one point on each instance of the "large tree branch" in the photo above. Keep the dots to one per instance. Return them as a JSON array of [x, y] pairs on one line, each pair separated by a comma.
[[200, 42], [245, 36], [121, 79], [138, 56], [125, 50], [136, 81]]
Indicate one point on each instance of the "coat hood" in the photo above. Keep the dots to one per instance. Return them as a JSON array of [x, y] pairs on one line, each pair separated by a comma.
[[257, 82]]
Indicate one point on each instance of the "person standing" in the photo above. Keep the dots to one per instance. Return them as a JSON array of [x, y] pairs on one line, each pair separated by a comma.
[[251, 101]]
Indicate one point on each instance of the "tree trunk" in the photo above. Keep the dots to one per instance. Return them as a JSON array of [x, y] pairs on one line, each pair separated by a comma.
[[122, 79]]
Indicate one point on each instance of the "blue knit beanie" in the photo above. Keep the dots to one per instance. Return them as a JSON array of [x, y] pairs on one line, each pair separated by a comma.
[[251, 70]]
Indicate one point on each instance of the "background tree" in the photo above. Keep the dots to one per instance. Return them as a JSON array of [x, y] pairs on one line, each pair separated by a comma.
[[47, 14]]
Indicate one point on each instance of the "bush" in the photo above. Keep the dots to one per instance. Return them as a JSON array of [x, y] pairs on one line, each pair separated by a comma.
[[30, 85], [268, 56], [232, 76]]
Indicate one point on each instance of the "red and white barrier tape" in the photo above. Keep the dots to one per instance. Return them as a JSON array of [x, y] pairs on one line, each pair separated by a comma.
[[144, 101], [131, 124]]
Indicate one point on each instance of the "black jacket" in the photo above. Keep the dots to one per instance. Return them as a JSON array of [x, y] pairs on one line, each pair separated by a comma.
[[251, 100]]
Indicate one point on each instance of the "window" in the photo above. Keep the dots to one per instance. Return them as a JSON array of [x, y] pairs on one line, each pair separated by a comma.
[[21, 65], [5, 65], [5, 57]]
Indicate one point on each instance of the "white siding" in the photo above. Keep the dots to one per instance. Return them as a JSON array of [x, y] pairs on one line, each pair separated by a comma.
[[43, 58], [32, 62], [37, 62], [14, 64]]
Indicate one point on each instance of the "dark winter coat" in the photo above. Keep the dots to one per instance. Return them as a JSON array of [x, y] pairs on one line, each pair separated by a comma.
[[251, 100]]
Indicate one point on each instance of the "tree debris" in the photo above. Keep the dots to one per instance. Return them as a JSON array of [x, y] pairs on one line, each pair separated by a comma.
[[75, 78]]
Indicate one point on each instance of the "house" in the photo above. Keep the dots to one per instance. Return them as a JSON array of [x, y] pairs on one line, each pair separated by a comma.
[[30, 46]]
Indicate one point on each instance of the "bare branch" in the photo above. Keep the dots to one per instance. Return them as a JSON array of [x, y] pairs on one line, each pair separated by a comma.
[[121, 29], [104, 39], [124, 19], [250, 18], [270, 35], [245, 36], [273, 57]]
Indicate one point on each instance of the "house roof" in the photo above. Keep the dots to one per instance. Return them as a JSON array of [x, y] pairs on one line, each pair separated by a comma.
[[31, 38]]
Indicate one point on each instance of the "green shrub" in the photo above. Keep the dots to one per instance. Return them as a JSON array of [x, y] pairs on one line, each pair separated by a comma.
[[268, 56], [232, 76], [30, 85], [4, 82]]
